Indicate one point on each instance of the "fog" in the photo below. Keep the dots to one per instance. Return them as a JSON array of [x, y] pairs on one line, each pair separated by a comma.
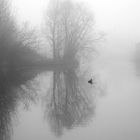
[[74, 75]]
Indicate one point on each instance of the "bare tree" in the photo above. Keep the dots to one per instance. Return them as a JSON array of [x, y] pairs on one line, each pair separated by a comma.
[[69, 31]]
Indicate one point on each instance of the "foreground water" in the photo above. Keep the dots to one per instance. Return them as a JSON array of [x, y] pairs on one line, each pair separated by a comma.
[[108, 110]]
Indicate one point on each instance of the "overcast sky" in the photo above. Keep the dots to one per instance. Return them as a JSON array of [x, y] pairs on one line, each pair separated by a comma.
[[120, 19]]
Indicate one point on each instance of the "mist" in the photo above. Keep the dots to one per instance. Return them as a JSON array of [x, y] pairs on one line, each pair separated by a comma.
[[69, 70]]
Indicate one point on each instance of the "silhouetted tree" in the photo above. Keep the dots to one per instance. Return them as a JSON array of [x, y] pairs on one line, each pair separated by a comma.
[[16, 46], [11, 94], [69, 31]]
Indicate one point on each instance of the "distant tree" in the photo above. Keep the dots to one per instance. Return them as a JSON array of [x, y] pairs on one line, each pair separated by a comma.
[[7, 29], [18, 48], [69, 31]]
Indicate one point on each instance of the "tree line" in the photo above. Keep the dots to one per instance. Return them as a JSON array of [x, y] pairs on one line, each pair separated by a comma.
[[69, 32]]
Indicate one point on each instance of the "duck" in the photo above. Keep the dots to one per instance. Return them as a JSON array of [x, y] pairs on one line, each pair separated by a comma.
[[90, 81]]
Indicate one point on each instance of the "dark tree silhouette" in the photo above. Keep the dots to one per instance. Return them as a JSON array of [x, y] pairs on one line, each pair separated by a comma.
[[15, 46]]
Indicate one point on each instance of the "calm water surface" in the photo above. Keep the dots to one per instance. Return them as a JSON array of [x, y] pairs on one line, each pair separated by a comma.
[[71, 109]]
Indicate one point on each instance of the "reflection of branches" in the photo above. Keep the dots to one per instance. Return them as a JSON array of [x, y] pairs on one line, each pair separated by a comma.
[[8, 102], [7, 107], [70, 103], [10, 97]]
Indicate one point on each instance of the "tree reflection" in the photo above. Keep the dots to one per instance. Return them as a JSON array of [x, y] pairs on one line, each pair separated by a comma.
[[70, 104], [10, 84]]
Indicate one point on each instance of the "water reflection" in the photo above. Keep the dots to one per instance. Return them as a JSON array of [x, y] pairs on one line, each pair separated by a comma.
[[70, 103], [10, 85]]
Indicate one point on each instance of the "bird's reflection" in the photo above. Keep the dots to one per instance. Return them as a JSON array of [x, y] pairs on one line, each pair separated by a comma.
[[70, 104]]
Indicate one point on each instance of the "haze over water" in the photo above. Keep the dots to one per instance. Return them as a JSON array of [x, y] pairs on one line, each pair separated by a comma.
[[72, 109], [116, 113]]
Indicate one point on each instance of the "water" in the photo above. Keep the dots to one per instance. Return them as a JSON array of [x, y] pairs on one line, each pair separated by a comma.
[[118, 114], [34, 107]]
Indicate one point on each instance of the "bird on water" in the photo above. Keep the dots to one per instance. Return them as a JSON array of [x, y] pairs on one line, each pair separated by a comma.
[[90, 81]]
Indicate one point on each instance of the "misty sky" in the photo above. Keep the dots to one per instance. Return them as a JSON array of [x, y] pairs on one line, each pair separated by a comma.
[[119, 19]]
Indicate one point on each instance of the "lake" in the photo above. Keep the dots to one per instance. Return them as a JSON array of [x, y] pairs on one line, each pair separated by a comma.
[[35, 107]]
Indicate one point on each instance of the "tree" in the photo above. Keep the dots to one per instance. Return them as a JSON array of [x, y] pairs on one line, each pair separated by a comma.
[[16, 46], [69, 31]]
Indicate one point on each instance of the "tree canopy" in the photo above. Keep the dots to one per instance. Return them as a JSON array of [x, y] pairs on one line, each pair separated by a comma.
[[69, 30]]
